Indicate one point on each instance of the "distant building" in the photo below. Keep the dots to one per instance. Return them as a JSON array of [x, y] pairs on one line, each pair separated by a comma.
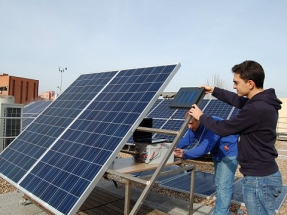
[[49, 95], [282, 119], [24, 90]]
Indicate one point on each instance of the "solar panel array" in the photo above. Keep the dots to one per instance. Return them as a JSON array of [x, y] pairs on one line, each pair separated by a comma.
[[32, 110], [172, 119], [180, 181], [203, 184], [163, 116], [59, 158]]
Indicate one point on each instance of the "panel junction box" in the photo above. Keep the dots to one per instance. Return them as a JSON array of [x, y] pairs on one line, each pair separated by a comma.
[[152, 153]]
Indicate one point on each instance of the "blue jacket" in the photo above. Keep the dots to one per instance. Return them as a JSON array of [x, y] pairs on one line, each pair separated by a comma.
[[200, 142]]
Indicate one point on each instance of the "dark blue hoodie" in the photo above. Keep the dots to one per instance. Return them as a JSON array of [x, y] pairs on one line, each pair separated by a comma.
[[256, 124]]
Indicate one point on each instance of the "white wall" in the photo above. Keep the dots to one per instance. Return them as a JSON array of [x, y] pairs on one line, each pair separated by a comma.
[[282, 120]]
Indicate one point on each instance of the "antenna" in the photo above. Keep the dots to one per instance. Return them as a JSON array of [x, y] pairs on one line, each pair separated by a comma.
[[61, 71]]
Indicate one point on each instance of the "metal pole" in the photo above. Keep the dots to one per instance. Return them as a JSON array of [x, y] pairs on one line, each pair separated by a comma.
[[61, 81], [61, 71], [191, 195]]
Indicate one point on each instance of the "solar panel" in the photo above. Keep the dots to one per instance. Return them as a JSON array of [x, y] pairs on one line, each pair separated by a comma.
[[203, 184], [218, 108], [186, 97], [234, 112], [62, 155], [32, 110], [160, 179], [168, 124], [168, 118], [164, 116], [27, 148], [36, 106], [161, 109]]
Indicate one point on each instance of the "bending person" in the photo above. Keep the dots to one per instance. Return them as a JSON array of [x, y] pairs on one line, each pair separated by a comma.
[[199, 141]]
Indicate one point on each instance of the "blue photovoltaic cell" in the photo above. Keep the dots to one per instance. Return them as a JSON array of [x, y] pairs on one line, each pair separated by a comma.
[[161, 179], [167, 124], [32, 110], [27, 148], [161, 114], [86, 146], [234, 112], [203, 104], [186, 97], [36, 107], [203, 184], [161, 110], [179, 114], [218, 108], [168, 118]]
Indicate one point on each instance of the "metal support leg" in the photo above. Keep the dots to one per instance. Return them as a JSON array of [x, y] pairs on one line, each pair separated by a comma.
[[191, 196], [127, 197]]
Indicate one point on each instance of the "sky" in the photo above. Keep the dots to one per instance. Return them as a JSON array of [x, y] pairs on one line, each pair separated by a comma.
[[207, 38]]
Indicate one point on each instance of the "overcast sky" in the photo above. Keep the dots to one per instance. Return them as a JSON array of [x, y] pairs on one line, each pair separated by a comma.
[[206, 37]]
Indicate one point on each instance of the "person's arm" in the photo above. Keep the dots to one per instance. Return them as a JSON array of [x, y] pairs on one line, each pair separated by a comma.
[[207, 142], [244, 122], [228, 97], [186, 140], [207, 89]]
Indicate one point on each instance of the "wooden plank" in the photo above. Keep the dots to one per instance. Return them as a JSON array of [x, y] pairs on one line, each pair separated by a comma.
[[97, 211], [99, 197], [115, 208]]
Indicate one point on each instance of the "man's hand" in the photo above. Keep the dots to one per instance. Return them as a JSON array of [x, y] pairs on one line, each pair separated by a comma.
[[195, 112], [208, 89], [178, 153]]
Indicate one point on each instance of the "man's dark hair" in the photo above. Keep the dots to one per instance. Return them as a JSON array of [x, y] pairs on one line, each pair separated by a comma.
[[250, 70]]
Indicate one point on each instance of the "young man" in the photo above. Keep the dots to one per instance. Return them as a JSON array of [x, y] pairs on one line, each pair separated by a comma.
[[256, 125], [197, 142]]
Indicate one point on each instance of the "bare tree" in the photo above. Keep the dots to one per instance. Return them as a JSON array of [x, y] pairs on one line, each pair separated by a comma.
[[217, 82]]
